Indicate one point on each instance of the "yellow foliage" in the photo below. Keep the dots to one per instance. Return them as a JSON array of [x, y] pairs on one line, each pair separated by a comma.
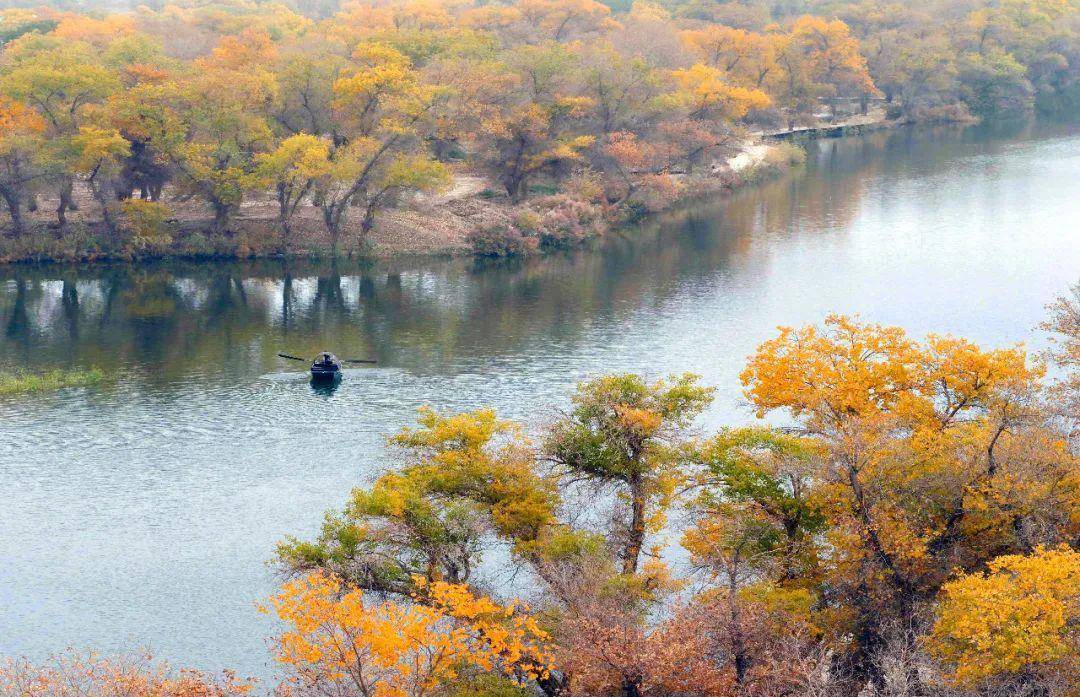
[[853, 369], [1022, 614], [704, 89]]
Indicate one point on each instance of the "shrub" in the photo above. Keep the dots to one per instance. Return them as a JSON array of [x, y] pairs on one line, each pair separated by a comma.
[[146, 221], [569, 223], [74, 675], [501, 241]]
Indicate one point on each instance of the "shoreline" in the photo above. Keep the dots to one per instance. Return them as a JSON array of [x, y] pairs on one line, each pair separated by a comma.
[[467, 220]]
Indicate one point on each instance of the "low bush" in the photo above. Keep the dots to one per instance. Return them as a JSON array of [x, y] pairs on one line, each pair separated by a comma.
[[501, 241]]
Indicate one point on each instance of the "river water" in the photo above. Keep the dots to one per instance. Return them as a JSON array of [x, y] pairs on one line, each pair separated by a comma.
[[141, 513]]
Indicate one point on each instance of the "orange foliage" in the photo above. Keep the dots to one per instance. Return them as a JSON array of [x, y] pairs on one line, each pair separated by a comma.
[[73, 675], [17, 119], [338, 640]]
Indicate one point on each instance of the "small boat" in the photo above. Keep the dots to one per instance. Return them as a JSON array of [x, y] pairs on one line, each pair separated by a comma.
[[325, 367]]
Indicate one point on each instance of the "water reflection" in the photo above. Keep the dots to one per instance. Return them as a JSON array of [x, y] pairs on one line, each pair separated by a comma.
[[169, 321], [324, 388]]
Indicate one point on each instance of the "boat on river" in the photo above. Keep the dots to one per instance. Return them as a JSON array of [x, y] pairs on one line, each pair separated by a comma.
[[326, 367]]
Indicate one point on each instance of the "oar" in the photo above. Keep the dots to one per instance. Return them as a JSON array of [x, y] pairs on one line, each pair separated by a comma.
[[285, 355], [360, 360]]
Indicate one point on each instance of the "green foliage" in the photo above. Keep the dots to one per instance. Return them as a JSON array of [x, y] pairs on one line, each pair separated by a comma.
[[10, 33], [428, 519], [623, 433], [18, 382]]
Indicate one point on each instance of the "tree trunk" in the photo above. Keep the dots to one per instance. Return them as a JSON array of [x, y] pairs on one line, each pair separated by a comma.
[[283, 218], [636, 537], [738, 641], [515, 187], [14, 206], [102, 198], [366, 226], [333, 215], [222, 213], [66, 203]]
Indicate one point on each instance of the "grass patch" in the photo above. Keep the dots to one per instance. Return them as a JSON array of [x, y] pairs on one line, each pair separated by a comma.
[[28, 383]]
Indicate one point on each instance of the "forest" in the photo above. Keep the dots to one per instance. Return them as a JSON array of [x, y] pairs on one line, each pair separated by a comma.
[[911, 530], [250, 128]]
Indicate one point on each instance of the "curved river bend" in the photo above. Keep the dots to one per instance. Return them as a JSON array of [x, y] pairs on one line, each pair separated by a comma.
[[142, 512]]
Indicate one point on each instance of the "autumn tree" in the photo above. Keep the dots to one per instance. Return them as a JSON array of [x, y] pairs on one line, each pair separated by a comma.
[[755, 534], [293, 169], [476, 88], [744, 57], [564, 20], [937, 456], [382, 103], [623, 434], [222, 110], [1012, 51], [467, 476], [820, 59], [538, 129], [338, 641], [21, 142], [62, 81], [96, 158], [305, 76], [620, 88]]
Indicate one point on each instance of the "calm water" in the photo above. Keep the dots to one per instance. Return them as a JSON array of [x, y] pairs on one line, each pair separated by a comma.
[[142, 513]]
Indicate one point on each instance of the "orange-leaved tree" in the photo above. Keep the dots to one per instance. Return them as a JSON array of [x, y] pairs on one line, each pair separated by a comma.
[[21, 139], [338, 641]]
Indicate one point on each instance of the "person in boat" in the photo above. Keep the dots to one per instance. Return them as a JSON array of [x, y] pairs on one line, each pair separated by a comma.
[[326, 364]]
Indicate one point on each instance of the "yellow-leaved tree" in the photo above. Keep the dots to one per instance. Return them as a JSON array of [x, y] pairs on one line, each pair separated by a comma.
[[1019, 618], [936, 457]]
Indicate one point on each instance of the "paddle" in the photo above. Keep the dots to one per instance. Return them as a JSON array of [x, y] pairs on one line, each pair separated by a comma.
[[345, 360]]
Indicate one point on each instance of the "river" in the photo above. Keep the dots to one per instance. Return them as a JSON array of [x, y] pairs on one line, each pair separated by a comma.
[[141, 513]]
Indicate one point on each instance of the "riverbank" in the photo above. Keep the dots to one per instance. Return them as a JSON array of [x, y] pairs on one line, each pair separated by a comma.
[[471, 217]]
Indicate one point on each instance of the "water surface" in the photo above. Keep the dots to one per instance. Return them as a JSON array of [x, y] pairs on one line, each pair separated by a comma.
[[142, 512]]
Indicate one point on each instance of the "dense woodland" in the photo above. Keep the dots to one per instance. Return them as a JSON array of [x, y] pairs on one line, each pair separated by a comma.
[[912, 530], [151, 117]]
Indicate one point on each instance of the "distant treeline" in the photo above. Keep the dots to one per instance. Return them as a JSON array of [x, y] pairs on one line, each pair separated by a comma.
[[342, 109]]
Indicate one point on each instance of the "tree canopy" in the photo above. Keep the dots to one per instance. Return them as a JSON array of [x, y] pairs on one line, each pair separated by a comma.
[[402, 95]]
